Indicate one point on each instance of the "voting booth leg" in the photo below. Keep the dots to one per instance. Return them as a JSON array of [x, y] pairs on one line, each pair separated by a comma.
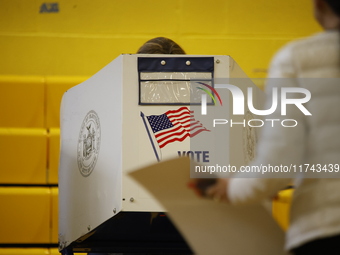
[[67, 251]]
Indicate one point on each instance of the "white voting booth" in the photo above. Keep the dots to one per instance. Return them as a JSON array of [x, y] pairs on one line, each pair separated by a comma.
[[136, 111]]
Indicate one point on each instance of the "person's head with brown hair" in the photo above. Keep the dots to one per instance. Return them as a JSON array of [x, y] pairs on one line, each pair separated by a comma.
[[160, 45], [327, 13]]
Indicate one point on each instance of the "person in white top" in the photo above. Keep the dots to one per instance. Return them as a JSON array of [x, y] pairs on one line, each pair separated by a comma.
[[315, 211]]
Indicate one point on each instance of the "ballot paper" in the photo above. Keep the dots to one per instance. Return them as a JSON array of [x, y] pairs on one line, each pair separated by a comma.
[[210, 227]]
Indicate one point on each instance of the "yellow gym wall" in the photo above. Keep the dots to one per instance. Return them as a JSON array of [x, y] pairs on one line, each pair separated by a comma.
[[79, 37], [47, 47]]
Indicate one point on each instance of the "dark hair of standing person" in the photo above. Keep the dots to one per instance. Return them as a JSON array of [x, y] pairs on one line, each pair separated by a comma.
[[335, 6], [327, 13], [160, 45]]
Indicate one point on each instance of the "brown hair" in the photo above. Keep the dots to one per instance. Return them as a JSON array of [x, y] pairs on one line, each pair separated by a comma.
[[335, 6], [160, 45]]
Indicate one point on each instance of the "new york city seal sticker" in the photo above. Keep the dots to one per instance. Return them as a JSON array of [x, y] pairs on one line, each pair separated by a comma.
[[88, 143]]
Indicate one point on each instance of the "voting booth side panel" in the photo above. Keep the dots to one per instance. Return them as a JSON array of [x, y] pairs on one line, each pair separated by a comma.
[[91, 157], [231, 141], [244, 130]]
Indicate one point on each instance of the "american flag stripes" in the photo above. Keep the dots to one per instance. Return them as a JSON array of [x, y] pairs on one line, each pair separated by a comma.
[[174, 125]]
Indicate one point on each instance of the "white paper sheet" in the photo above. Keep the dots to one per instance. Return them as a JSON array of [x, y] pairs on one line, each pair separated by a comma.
[[210, 227]]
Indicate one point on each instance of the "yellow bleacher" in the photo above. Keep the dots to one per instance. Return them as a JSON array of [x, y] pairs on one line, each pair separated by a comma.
[[23, 97], [53, 155], [29, 145], [23, 153], [25, 251], [31, 251], [27, 211]]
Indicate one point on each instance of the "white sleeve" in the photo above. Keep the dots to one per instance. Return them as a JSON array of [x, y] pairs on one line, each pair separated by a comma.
[[277, 145], [254, 190]]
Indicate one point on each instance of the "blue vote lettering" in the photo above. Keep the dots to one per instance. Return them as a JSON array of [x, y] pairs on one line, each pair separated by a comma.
[[199, 156]]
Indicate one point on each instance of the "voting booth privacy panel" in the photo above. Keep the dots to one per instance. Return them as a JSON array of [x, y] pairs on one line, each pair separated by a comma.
[[136, 111]]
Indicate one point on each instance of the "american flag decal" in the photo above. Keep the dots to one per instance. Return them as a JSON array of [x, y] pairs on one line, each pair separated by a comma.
[[174, 125]]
